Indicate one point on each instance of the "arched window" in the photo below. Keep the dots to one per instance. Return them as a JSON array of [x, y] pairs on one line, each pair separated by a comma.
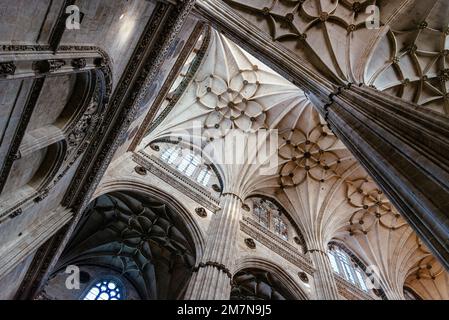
[[269, 215], [188, 161], [105, 290], [344, 265], [261, 214]]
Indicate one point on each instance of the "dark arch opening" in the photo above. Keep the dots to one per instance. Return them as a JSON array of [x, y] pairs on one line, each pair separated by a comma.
[[137, 237], [258, 284]]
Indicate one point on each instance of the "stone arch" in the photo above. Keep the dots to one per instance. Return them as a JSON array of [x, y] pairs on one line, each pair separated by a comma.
[[292, 222], [188, 145], [186, 216], [140, 236], [52, 143], [267, 265]]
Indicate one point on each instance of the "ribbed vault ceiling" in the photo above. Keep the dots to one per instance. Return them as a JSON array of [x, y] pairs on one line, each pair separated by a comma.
[[309, 171], [408, 55]]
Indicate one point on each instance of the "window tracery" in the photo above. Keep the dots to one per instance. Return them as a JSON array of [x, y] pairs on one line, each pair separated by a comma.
[[106, 289], [269, 215]]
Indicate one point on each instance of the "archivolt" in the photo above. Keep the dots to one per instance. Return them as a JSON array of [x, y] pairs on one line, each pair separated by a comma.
[[186, 217]]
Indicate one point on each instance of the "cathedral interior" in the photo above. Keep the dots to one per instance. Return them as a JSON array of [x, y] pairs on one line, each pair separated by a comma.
[[224, 150]]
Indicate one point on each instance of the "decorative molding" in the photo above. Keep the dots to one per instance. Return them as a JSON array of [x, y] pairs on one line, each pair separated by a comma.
[[201, 212], [276, 244], [79, 63], [48, 66]]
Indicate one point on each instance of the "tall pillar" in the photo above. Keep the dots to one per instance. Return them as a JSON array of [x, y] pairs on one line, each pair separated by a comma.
[[323, 277], [404, 148], [212, 278]]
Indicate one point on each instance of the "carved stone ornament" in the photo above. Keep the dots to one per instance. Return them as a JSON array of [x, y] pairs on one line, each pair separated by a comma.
[[46, 66], [246, 207], [140, 170], [250, 243], [303, 277], [79, 63], [216, 188], [201, 212]]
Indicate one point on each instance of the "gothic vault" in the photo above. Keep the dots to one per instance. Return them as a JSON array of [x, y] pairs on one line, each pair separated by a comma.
[[235, 150]]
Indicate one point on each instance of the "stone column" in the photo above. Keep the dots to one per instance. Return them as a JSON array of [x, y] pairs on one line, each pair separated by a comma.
[[212, 277], [404, 148], [325, 285]]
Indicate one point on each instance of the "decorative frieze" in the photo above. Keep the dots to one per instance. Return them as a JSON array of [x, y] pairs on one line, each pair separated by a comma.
[[349, 291], [48, 66], [275, 244], [79, 63]]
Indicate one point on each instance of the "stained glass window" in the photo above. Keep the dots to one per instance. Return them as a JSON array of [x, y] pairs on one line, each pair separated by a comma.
[[280, 228], [104, 290], [261, 212]]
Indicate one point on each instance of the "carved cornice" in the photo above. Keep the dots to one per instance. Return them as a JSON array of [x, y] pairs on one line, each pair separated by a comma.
[[276, 244], [177, 180], [350, 291]]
